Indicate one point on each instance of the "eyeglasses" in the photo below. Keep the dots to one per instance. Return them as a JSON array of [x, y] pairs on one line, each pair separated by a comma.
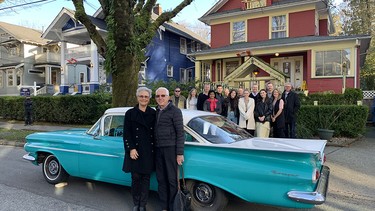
[[158, 96], [143, 96], [177, 90]]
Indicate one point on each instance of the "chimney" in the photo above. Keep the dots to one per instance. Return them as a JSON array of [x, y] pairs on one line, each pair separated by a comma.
[[157, 9]]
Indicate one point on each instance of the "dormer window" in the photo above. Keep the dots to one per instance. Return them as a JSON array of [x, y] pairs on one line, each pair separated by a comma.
[[278, 27], [239, 31]]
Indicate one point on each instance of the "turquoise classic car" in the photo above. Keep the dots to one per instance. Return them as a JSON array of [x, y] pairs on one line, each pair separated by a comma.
[[220, 159]]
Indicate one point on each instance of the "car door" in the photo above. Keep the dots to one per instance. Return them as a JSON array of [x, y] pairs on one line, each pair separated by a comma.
[[103, 155]]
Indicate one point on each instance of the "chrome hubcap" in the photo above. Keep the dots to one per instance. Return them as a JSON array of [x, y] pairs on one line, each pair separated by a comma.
[[204, 193]]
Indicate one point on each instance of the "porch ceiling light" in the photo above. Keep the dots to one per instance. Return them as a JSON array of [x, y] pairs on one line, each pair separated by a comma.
[[277, 54], [256, 72]]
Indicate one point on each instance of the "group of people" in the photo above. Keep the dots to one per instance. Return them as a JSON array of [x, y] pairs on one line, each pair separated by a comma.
[[154, 139], [257, 111]]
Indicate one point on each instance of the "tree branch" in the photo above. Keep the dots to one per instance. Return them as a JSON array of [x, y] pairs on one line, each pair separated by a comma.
[[81, 15], [166, 16], [139, 6]]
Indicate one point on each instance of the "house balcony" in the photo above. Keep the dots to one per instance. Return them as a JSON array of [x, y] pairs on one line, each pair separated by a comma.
[[79, 53], [10, 59], [47, 57]]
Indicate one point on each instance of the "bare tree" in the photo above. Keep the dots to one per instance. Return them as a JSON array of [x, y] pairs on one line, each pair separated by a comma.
[[130, 29]]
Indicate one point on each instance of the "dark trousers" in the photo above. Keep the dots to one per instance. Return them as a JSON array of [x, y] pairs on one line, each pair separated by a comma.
[[278, 132], [290, 129], [28, 120], [166, 174], [140, 188]]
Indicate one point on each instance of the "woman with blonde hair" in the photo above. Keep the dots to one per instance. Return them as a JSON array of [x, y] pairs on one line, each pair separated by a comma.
[[277, 117], [246, 106], [191, 101]]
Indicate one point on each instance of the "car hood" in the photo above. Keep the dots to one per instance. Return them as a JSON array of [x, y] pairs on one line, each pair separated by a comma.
[[281, 144]]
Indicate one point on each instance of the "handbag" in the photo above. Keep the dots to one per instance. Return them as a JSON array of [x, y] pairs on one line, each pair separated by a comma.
[[182, 200]]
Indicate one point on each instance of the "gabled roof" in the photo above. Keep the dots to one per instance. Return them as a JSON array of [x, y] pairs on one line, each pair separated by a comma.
[[363, 41], [24, 34], [214, 14], [184, 32]]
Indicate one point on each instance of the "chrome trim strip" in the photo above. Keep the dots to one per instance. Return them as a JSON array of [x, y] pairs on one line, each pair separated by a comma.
[[75, 151], [28, 157], [319, 195]]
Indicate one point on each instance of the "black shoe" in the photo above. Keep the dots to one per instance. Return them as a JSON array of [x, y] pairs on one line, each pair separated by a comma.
[[136, 208], [142, 208]]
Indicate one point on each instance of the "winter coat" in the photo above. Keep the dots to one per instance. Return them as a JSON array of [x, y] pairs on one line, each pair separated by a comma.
[[169, 128], [246, 113], [291, 106], [139, 135], [263, 109]]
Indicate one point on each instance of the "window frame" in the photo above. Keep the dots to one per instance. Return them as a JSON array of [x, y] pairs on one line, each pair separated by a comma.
[[349, 69], [170, 70], [234, 32], [183, 45], [272, 31], [14, 79], [1, 79]]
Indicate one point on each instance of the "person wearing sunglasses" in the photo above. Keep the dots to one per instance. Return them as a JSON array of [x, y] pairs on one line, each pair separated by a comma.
[[169, 151], [139, 147], [178, 99]]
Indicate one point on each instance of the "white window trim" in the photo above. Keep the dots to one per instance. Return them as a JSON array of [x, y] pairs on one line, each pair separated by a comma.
[[14, 78], [183, 46], [170, 70], [1, 79], [84, 77], [351, 68], [232, 32], [286, 25]]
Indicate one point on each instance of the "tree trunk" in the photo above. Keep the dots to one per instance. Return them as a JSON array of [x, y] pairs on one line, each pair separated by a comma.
[[125, 80]]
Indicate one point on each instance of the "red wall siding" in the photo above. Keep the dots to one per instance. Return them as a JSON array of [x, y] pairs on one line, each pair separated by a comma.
[[325, 84], [323, 27], [257, 29], [230, 5], [220, 35], [302, 23]]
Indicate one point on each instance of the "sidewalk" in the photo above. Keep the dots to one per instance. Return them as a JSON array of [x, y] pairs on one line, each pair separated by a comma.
[[37, 127]]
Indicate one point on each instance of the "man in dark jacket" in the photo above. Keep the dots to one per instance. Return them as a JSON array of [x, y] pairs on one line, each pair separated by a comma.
[[291, 107], [28, 110], [169, 136]]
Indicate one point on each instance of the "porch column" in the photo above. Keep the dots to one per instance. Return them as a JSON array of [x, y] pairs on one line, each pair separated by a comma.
[[64, 86], [198, 70], [47, 79], [94, 68]]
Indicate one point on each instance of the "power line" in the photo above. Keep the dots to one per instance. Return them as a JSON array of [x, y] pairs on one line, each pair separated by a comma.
[[25, 4]]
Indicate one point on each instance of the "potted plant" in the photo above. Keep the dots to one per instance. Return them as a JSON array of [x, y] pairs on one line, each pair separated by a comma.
[[327, 117]]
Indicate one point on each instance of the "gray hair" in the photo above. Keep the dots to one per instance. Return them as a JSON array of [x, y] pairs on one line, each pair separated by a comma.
[[141, 89], [163, 88]]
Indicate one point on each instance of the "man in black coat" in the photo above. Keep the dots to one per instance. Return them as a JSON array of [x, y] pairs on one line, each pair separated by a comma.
[[138, 139], [28, 110], [169, 137], [202, 97], [291, 107]]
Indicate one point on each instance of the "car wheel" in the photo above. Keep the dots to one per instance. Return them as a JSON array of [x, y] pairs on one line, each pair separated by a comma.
[[206, 197], [53, 172]]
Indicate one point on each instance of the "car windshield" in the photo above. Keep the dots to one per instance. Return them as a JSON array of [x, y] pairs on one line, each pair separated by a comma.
[[218, 129], [94, 130]]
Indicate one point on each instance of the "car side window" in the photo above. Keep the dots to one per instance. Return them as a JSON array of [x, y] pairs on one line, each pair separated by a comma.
[[113, 126], [189, 138]]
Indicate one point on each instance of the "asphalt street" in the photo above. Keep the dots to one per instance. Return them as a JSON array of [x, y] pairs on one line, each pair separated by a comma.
[[352, 185]]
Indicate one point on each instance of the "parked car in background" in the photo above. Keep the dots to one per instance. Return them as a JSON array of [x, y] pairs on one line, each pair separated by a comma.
[[220, 159]]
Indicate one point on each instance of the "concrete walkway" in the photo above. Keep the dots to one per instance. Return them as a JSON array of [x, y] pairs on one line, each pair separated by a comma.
[[16, 125]]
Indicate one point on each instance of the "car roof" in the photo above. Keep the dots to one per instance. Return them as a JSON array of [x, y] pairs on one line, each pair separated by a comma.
[[187, 113]]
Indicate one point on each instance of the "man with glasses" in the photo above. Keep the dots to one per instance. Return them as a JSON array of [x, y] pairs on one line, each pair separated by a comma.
[[177, 99], [169, 136]]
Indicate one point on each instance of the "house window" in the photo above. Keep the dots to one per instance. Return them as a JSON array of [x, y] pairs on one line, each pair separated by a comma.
[[82, 78], [10, 77], [330, 63], [206, 72], [199, 47], [278, 26], [186, 75], [170, 70], [183, 46], [192, 46], [238, 31], [142, 74]]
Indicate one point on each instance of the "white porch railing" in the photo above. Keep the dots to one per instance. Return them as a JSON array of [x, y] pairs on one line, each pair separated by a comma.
[[83, 51], [41, 91]]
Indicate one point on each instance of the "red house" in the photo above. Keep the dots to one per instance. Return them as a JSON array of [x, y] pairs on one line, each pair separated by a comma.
[[256, 41]]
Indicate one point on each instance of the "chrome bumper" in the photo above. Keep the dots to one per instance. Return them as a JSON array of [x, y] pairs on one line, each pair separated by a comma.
[[319, 195], [28, 157]]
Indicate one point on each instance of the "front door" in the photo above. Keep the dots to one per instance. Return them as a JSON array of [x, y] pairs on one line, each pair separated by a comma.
[[292, 67]]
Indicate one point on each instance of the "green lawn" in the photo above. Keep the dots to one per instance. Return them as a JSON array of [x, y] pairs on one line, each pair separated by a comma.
[[14, 135]]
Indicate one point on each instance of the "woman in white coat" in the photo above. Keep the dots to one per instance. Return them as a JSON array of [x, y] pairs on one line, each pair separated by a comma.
[[246, 106]]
